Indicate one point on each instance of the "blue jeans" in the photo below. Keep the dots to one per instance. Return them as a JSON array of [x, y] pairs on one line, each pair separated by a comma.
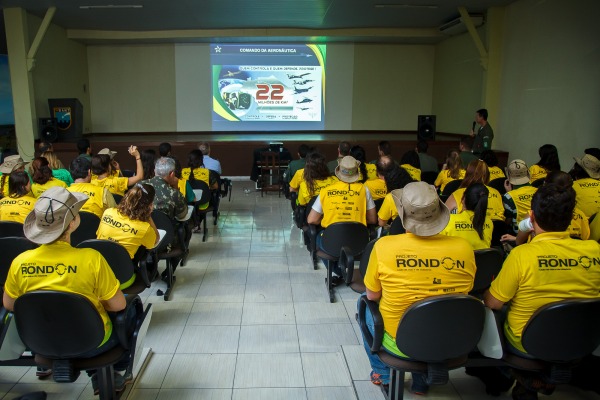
[[376, 364]]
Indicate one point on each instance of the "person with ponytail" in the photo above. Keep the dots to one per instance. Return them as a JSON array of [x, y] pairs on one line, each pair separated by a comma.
[[548, 162], [42, 177], [19, 202], [472, 223], [367, 171], [452, 170]]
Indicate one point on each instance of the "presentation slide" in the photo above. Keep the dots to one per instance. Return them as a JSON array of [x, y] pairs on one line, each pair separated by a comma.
[[268, 87]]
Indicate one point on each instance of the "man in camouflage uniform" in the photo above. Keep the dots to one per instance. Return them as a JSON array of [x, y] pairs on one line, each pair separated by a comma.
[[169, 200]]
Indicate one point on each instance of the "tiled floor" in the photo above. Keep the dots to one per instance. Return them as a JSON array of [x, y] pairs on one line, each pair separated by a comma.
[[250, 319]]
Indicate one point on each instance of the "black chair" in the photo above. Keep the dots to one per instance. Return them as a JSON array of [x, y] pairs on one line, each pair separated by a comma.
[[87, 228], [46, 325], [556, 337], [430, 334], [358, 284], [121, 264], [11, 229], [208, 197], [489, 263], [498, 184], [538, 182], [226, 188], [342, 241], [117, 198], [397, 228], [172, 256], [429, 176], [450, 188], [11, 247], [378, 204]]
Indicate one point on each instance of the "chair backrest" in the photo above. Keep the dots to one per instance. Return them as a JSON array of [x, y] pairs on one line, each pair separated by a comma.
[[162, 221], [563, 331], [441, 328], [11, 247], [498, 184], [87, 228], [117, 198], [489, 263], [364, 258], [116, 256], [397, 228], [451, 187], [269, 159], [352, 235], [58, 325], [378, 204], [429, 176], [11, 229], [201, 185]]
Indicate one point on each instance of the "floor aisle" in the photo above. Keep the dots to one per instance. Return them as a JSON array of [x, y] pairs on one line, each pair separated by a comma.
[[250, 319]]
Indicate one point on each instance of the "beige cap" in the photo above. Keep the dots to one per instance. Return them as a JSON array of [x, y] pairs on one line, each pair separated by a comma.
[[517, 172], [106, 150], [590, 164], [11, 163]]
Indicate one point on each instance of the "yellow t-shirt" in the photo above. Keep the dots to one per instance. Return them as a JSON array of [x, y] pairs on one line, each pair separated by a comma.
[[595, 229], [377, 188], [343, 202], [58, 266], [303, 194], [580, 225], [371, 171], [38, 189], [522, 198], [297, 179], [588, 195], [4, 184], [496, 172], [115, 185], [388, 210], [536, 172], [16, 209], [461, 225], [444, 178], [552, 267], [200, 174], [414, 173], [99, 198], [408, 268], [495, 208], [129, 233]]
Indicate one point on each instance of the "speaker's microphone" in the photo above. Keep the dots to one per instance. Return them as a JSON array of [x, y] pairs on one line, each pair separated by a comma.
[[473, 128]]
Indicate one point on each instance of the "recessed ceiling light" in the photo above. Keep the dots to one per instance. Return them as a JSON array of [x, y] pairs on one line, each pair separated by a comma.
[[431, 6], [110, 6]]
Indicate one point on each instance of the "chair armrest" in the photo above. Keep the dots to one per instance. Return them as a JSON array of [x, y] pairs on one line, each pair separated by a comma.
[[148, 259], [125, 322], [373, 341], [346, 264]]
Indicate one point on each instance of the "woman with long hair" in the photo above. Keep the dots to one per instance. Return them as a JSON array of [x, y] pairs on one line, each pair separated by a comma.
[[472, 223], [316, 177], [395, 178], [148, 157], [490, 158], [548, 162], [477, 172], [411, 162], [19, 202], [42, 177], [12, 163], [451, 171], [102, 173], [58, 171], [130, 223]]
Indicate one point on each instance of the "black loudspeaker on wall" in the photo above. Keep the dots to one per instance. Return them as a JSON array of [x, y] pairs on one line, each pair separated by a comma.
[[426, 127], [48, 129], [69, 118]]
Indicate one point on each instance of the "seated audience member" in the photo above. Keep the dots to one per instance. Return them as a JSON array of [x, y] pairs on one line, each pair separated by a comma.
[[466, 153], [164, 150], [332, 203], [42, 177], [298, 164], [391, 282], [472, 223], [13, 163], [209, 162], [451, 171], [586, 177], [115, 168], [134, 211], [579, 228], [58, 171], [50, 224], [384, 148], [377, 186], [196, 170], [548, 162], [343, 151], [43, 146], [477, 172], [148, 157], [367, 171], [84, 148], [411, 163], [428, 163], [529, 281], [489, 157], [316, 177], [19, 202], [395, 178], [115, 184], [99, 198], [517, 199]]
